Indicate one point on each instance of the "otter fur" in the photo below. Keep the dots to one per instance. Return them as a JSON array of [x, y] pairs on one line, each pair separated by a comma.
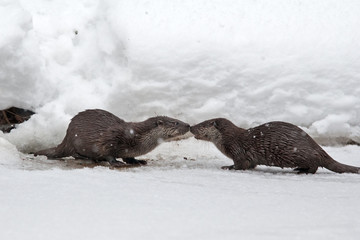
[[278, 144], [100, 135]]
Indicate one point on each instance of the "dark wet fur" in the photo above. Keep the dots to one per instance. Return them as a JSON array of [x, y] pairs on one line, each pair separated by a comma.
[[278, 144], [101, 136]]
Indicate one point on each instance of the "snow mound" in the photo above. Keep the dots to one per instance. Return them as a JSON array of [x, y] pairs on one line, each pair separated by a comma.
[[251, 62]]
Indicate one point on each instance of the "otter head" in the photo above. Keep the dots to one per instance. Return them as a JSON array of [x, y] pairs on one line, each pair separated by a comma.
[[209, 130], [169, 128]]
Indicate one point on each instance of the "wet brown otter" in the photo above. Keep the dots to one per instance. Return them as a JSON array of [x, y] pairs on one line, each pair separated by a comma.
[[278, 144], [99, 135]]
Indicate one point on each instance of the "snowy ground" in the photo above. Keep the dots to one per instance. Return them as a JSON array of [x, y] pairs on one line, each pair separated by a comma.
[[174, 198], [249, 61]]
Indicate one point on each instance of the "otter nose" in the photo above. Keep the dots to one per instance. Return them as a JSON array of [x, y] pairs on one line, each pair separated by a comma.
[[188, 126]]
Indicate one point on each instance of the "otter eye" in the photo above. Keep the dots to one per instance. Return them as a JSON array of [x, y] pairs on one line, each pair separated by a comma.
[[214, 124], [176, 123]]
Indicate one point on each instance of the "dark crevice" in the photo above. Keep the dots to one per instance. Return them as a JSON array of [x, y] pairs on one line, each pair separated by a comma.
[[12, 116]]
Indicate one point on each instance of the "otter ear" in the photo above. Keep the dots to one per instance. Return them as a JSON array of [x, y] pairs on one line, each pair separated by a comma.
[[159, 122]]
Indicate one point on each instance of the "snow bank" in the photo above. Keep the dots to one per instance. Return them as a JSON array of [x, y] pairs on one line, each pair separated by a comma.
[[9, 155], [248, 61], [21, 67]]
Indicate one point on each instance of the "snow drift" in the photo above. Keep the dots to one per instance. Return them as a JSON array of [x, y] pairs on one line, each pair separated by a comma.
[[248, 61]]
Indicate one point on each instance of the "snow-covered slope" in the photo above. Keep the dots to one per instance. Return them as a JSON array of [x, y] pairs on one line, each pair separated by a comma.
[[250, 61]]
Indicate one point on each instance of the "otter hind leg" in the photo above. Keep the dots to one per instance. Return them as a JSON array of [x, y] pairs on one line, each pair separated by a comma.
[[79, 156], [134, 161], [228, 167], [306, 170]]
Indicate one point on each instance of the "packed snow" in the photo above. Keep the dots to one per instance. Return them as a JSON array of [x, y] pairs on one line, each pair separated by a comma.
[[249, 61]]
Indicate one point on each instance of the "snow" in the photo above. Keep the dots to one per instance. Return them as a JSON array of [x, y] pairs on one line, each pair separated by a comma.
[[249, 61], [176, 198]]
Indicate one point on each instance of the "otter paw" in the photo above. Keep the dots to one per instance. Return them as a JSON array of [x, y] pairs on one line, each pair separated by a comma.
[[117, 164], [134, 161], [228, 167], [142, 162]]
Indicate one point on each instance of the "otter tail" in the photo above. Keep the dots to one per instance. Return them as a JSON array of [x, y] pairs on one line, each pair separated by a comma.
[[340, 168], [55, 152]]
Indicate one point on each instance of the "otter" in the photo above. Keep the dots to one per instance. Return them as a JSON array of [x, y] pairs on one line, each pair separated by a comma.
[[277, 143], [101, 136]]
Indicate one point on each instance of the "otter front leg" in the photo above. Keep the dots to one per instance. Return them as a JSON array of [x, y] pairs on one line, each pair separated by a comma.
[[240, 163], [245, 166], [134, 161], [244, 163]]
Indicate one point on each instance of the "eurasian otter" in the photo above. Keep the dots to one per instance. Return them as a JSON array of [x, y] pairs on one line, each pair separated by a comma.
[[100, 135], [278, 144]]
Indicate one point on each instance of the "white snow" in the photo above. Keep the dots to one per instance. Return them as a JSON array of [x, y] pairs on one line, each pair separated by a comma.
[[249, 61], [174, 198]]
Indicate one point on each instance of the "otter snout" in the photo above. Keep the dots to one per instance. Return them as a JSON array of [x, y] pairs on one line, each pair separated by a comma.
[[175, 127], [206, 130], [182, 125], [193, 130], [176, 130], [184, 128]]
